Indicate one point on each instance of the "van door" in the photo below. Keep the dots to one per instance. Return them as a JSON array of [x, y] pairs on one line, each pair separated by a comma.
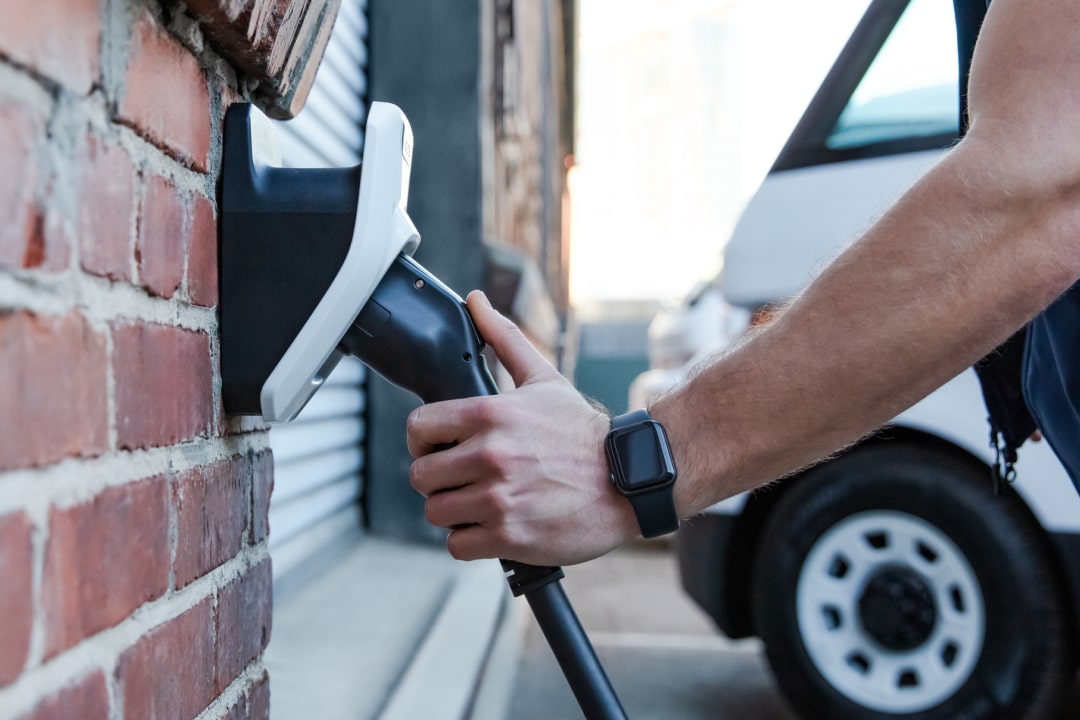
[[885, 113]]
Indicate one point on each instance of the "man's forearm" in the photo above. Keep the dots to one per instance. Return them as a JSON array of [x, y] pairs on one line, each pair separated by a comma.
[[961, 261]]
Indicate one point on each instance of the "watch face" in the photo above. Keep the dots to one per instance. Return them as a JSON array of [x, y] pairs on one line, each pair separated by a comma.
[[641, 457]]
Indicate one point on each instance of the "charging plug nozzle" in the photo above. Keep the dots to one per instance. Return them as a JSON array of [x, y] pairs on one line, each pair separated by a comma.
[[416, 332]]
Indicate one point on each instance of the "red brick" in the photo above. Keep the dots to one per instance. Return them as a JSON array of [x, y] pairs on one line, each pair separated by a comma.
[[203, 256], [169, 673], [164, 392], [243, 622], [177, 121], [103, 560], [259, 699], [59, 39], [212, 512], [53, 401], [106, 206], [34, 257], [254, 704], [21, 135], [16, 594], [87, 700], [162, 239], [239, 711], [262, 486]]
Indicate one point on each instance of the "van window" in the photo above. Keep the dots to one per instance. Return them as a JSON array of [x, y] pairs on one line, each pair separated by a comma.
[[910, 89]]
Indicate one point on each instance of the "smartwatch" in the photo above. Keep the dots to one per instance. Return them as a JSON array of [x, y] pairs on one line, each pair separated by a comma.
[[643, 469]]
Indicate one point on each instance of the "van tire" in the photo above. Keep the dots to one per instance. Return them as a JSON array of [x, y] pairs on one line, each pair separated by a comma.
[[949, 605]]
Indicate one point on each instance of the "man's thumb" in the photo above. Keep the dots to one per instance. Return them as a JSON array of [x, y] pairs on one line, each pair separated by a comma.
[[524, 363]]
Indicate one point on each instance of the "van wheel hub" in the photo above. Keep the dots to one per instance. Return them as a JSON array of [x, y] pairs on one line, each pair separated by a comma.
[[897, 609]]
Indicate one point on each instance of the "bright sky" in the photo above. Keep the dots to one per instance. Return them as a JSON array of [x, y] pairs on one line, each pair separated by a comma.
[[682, 107]]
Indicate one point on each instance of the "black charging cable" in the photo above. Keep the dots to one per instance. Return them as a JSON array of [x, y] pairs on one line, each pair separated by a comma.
[[567, 639]]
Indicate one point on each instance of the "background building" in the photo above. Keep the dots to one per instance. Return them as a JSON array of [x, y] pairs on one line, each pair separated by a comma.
[[483, 86], [683, 107], [134, 548]]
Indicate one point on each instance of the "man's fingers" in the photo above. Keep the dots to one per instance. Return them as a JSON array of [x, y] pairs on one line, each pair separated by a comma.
[[451, 468], [426, 433], [468, 505], [470, 543], [513, 349], [442, 424], [429, 475]]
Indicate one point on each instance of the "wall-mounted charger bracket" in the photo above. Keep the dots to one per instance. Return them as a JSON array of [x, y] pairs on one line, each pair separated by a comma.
[[302, 250]]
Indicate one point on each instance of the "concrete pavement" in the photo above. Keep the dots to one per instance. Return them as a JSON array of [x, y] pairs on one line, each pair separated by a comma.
[[663, 655]]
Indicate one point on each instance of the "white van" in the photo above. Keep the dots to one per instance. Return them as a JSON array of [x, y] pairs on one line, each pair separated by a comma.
[[896, 580]]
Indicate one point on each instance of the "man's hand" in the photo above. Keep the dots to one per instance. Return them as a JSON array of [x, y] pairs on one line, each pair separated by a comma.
[[524, 477]]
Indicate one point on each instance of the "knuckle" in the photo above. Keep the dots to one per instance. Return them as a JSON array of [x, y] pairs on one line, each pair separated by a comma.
[[509, 327], [456, 547], [431, 512], [499, 503], [416, 478], [484, 412], [412, 422], [491, 460], [413, 425], [452, 546]]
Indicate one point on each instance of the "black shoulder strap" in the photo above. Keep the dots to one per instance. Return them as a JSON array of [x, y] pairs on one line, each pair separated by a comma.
[[969, 18], [999, 372]]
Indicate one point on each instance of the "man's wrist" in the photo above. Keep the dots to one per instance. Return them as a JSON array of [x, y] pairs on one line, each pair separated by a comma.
[[667, 413], [618, 514]]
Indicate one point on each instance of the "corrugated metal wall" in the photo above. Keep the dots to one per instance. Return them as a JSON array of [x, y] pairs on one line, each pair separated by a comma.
[[318, 458]]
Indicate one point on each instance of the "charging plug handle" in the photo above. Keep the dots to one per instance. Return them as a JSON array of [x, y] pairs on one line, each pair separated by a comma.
[[417, 333]]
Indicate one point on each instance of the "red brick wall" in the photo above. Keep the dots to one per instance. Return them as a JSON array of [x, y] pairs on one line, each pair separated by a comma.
[[134, 576]]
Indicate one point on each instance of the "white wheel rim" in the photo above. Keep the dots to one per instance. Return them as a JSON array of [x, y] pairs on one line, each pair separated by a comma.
[[840, 564]]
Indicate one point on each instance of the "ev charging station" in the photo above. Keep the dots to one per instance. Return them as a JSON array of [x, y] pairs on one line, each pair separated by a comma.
[[316, 264]]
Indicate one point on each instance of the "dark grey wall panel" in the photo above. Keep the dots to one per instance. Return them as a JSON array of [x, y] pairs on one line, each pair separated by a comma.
[[425, 58]]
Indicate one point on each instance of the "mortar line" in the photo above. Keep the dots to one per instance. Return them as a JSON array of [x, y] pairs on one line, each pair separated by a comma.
[[98, 300], [75, 480], [236, 691]]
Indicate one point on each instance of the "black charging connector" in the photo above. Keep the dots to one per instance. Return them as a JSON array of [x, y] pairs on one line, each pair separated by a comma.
[[413, 312]]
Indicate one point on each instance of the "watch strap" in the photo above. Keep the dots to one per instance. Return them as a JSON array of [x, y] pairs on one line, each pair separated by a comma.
[[630, 418], [655, 510]]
